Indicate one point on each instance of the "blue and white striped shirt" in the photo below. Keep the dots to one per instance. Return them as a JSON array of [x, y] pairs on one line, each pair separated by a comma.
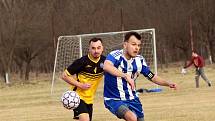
[[118, 88]]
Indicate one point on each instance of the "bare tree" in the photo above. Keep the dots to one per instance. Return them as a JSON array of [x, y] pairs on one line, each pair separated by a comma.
[[205, 26], [33, 40], [8, 34], [29, 28]]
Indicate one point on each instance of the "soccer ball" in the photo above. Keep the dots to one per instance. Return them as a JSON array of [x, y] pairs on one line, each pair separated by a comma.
[[70, 100]]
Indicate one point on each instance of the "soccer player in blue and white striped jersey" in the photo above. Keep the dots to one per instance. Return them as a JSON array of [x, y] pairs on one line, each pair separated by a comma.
[[121, 69]]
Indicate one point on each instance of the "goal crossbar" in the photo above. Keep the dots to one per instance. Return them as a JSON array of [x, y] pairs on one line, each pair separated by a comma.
[[60, 38]]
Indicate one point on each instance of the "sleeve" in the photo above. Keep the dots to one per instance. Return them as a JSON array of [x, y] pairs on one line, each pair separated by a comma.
[[146, 71], [189, 64], [111, 58], [75, 67]]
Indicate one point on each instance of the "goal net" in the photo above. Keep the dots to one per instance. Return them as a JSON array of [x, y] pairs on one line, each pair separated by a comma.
[[70, 48]]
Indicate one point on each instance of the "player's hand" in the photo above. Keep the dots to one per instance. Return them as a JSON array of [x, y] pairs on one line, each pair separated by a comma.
[[183, 71], [130, 81], [198, 69], [85, 86], [173, 85]]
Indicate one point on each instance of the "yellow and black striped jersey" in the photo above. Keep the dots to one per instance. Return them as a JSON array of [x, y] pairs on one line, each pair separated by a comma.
[[89, 71]]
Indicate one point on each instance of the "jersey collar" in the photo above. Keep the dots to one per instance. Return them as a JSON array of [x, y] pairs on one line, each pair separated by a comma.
[[93, 59]]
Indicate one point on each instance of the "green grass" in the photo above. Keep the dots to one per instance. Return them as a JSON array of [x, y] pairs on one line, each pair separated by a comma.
[[33, 102]]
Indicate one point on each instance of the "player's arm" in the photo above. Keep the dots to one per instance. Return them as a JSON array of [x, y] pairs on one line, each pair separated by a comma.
[[156, 79], [72, 80], [189, 64], [110, 68], [160, 81], [69, 75]]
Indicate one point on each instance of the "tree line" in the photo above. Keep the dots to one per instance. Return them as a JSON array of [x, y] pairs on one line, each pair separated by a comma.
[[29, 28]]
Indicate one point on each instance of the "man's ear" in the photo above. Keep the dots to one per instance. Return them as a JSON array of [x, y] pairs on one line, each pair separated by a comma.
[[124, 44]]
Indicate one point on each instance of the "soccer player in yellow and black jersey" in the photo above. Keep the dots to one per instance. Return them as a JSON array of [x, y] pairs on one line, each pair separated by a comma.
[[84, 74]]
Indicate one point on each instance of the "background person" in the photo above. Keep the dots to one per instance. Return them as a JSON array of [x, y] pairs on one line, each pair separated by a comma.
[[198, 62]]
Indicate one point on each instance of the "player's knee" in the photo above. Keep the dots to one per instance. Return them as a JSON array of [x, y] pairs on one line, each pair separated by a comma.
[[121, 111], [125, 113], [140, 119], [130, 116], [84, 117]]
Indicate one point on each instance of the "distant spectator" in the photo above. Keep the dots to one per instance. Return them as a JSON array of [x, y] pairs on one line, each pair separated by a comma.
[[198, 62]]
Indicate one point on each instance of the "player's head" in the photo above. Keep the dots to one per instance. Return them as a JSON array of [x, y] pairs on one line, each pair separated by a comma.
[[95, 47], [132, 42], [194, 53]]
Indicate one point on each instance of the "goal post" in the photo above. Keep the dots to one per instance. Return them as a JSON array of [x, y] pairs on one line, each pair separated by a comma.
[[70, 48]]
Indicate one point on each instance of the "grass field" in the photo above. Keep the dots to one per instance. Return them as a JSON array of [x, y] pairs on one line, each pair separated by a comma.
[[33, 102]]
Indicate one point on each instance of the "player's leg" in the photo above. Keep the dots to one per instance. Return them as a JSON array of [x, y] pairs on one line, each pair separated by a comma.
[[130, 110], [136, 107], [197, 77], [83, 112], [87, 116], [140, 119], [84, 117], [120, 109], [125, 113], [90, 111], [202, 73]]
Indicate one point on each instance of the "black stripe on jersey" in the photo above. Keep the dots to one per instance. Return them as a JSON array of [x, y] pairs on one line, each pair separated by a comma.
[[92, 76], [150, 75]]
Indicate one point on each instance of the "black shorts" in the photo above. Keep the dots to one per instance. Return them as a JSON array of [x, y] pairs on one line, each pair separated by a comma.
[[83, 108]]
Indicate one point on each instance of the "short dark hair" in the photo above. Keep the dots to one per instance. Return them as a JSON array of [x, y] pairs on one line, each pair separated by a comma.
[[129, 34], [194, 51], [95, 39]]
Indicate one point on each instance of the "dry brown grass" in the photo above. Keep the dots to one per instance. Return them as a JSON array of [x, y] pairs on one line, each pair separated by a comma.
[[33, 102]]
